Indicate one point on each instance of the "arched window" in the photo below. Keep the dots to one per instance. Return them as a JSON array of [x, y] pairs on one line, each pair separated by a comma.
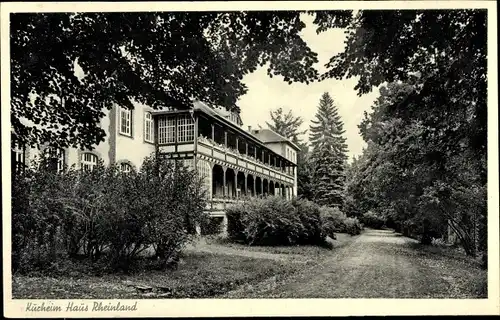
[[125, 167], [88, 161]]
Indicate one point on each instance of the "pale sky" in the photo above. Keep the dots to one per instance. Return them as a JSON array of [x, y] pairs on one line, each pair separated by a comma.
[[266, 94]]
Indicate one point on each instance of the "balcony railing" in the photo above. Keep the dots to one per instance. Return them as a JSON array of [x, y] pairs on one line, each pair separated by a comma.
[[236, 153]]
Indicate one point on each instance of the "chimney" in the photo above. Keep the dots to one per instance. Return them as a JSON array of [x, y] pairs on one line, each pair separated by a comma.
[[250, 129]]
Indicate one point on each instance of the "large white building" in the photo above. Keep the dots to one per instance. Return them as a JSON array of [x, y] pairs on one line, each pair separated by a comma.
[[236, 162]]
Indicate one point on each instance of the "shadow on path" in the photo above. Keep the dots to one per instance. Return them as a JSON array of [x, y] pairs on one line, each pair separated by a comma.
[[379, 264]]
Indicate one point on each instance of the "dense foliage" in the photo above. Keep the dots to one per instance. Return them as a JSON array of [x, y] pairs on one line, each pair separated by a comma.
[[373, 220], [68, 68], [328, 155], [335, 220], [103, 216], [277, 221], [425, 163]]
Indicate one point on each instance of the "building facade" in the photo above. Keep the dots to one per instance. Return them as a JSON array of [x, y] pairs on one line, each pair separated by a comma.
[[129, 139], [235, 163]]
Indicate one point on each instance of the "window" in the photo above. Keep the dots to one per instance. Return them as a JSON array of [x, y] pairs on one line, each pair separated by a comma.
[[18, 157], [125, 167], [126, 121], [57, 157], [88, 161], [185, 129], [148, 127], [166, 130]]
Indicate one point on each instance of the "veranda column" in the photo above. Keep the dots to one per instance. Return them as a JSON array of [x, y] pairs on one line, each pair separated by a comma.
[[254, 186], [211, 182], [235, 189], [246, 183], [224, 182]]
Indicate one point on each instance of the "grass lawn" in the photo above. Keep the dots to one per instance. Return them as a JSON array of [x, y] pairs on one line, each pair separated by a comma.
[[200, 275], [304, 251], [209, 269]]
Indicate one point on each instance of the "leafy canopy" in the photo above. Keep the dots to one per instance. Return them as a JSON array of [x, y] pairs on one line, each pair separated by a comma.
[[426, 134], [156, 58], [287, 124]]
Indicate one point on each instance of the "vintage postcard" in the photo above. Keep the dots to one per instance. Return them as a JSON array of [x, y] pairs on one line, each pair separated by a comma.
[[314, 158]]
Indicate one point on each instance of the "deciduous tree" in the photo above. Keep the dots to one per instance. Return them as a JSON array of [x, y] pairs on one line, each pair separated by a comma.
[[67, 69], [287, 124]]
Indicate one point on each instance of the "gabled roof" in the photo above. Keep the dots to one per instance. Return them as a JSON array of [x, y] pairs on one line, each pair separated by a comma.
[[269, 136]]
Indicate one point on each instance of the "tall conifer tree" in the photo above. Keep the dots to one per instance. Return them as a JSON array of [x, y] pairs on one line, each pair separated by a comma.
[[329, 154]]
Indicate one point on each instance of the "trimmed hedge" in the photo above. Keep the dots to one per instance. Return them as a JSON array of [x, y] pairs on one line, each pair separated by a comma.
[[277, 221]]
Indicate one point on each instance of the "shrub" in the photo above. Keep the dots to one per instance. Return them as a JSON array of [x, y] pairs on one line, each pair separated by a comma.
[[335, 220], [103, 214], [352, 226], [212, 226], [276, 221], [177, 205], [234, 214], [310, 216], [373, 220], [271, 221]]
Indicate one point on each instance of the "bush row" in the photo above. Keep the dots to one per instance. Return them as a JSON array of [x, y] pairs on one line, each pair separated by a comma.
[[103, 216], [277, 221], [373, 220]]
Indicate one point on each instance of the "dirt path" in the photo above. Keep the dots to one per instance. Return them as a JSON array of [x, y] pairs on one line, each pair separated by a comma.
[[378, 264]]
